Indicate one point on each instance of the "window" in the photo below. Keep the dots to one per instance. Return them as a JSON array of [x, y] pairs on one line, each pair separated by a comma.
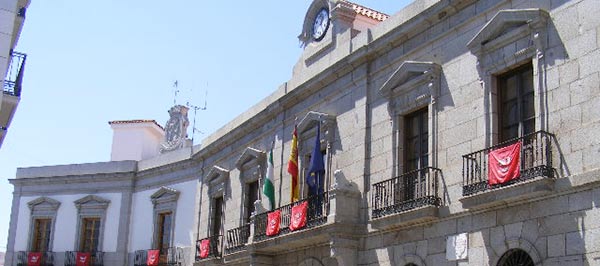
[[43, 215], [416, 141], [412, 91], [90, 232], [41, 235], [516, 103], [251, 197], [516, 257], [163, 234], [511, 105], [217, 217], [165, 205], [91, 214], [306, 141]]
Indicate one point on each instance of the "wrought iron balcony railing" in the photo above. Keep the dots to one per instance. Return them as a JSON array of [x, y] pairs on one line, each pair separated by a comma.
[[172, 256], [536, 161], [318, 209], [14, 75], [409, 191], [47, 258], [237, 238], [214, 248], [96, 258]]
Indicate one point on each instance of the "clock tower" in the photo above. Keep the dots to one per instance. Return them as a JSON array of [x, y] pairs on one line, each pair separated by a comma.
[[332, 24]]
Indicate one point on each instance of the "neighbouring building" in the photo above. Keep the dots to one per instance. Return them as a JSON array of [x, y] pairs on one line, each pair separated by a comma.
[[450, 133], [12, 63]]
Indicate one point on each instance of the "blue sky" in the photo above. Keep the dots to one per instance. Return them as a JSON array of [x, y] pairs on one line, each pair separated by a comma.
[[90, 62]]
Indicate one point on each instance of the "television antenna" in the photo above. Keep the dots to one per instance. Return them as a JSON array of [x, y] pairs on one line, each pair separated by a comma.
[[196, 109]]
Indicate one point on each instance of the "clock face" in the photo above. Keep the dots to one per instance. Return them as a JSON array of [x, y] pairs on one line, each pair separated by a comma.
[[320, 24]]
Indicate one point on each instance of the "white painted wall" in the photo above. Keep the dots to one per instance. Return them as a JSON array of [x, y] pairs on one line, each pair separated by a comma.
[[141, 230], [135, 140], [66, 222]]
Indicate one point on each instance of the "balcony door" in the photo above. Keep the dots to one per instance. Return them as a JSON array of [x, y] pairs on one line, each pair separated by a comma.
[[416, 154]]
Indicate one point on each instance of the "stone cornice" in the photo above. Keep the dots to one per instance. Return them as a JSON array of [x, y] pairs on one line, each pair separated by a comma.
[[382, 39]]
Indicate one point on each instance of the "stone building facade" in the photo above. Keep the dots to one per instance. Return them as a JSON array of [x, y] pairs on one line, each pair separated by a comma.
[[412, 109]]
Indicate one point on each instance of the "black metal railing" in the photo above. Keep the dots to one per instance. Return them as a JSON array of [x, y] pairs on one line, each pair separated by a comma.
[[215, 247], [47, 258], [172, 256], [409, 191], [14, 74], [96, 258], [536, 161], [318, 209], [237, 238]]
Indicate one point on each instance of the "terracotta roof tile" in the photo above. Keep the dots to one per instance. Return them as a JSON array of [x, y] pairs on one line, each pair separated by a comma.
[[367, 12], [134, 121]]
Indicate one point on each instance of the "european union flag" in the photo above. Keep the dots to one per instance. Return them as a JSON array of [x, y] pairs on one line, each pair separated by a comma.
[[316, 169]]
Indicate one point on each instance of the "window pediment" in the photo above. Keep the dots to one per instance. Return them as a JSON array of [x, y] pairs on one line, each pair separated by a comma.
[[92, 201], [410, 75], [508, 26], [217, 177], [310, 121], [164, 194], [44, 203], [248, 155]]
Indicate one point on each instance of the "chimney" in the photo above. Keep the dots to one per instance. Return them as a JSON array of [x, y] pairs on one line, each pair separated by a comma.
[[135, 139]]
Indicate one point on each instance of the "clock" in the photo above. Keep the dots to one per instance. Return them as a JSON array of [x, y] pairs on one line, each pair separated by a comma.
[[320, 24]]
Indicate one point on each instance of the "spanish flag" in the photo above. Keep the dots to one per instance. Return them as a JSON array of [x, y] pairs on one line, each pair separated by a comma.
[[293, 167]]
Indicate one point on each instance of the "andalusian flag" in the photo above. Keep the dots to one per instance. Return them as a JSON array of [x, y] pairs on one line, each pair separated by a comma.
[[293, 167], [268, 187]]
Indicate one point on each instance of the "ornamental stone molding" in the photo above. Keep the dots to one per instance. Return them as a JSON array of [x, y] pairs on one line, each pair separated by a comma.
[[310, 121], [250, 154], [43, 204], [216, 179], [413, 84], [511, 36], [92, 202], [175, 129], [164, 195]]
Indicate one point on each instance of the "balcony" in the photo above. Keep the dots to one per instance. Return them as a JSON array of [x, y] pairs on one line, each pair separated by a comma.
[[172, 256], [407, 199], [536, 174], [237, 239], [12, 87], [96, 258], [14, 75], [318, 209], [214, 249], [46, 259]]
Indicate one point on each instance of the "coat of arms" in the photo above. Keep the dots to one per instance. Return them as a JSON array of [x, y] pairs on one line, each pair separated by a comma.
[[175, 129]]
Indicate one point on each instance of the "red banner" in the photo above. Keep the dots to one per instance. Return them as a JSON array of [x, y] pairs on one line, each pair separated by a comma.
[[504, 164], [153, 257], [34, 259], [82, 259], [299, 216], [204, 248], [273, 220]]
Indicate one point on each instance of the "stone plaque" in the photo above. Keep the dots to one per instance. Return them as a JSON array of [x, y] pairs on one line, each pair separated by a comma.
[[457, 247]]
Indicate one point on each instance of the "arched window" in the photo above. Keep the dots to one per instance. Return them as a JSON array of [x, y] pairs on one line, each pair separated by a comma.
[[515, 257]]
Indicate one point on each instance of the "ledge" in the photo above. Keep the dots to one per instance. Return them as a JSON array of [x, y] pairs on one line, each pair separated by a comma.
[[519, 191], [414, 216]]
